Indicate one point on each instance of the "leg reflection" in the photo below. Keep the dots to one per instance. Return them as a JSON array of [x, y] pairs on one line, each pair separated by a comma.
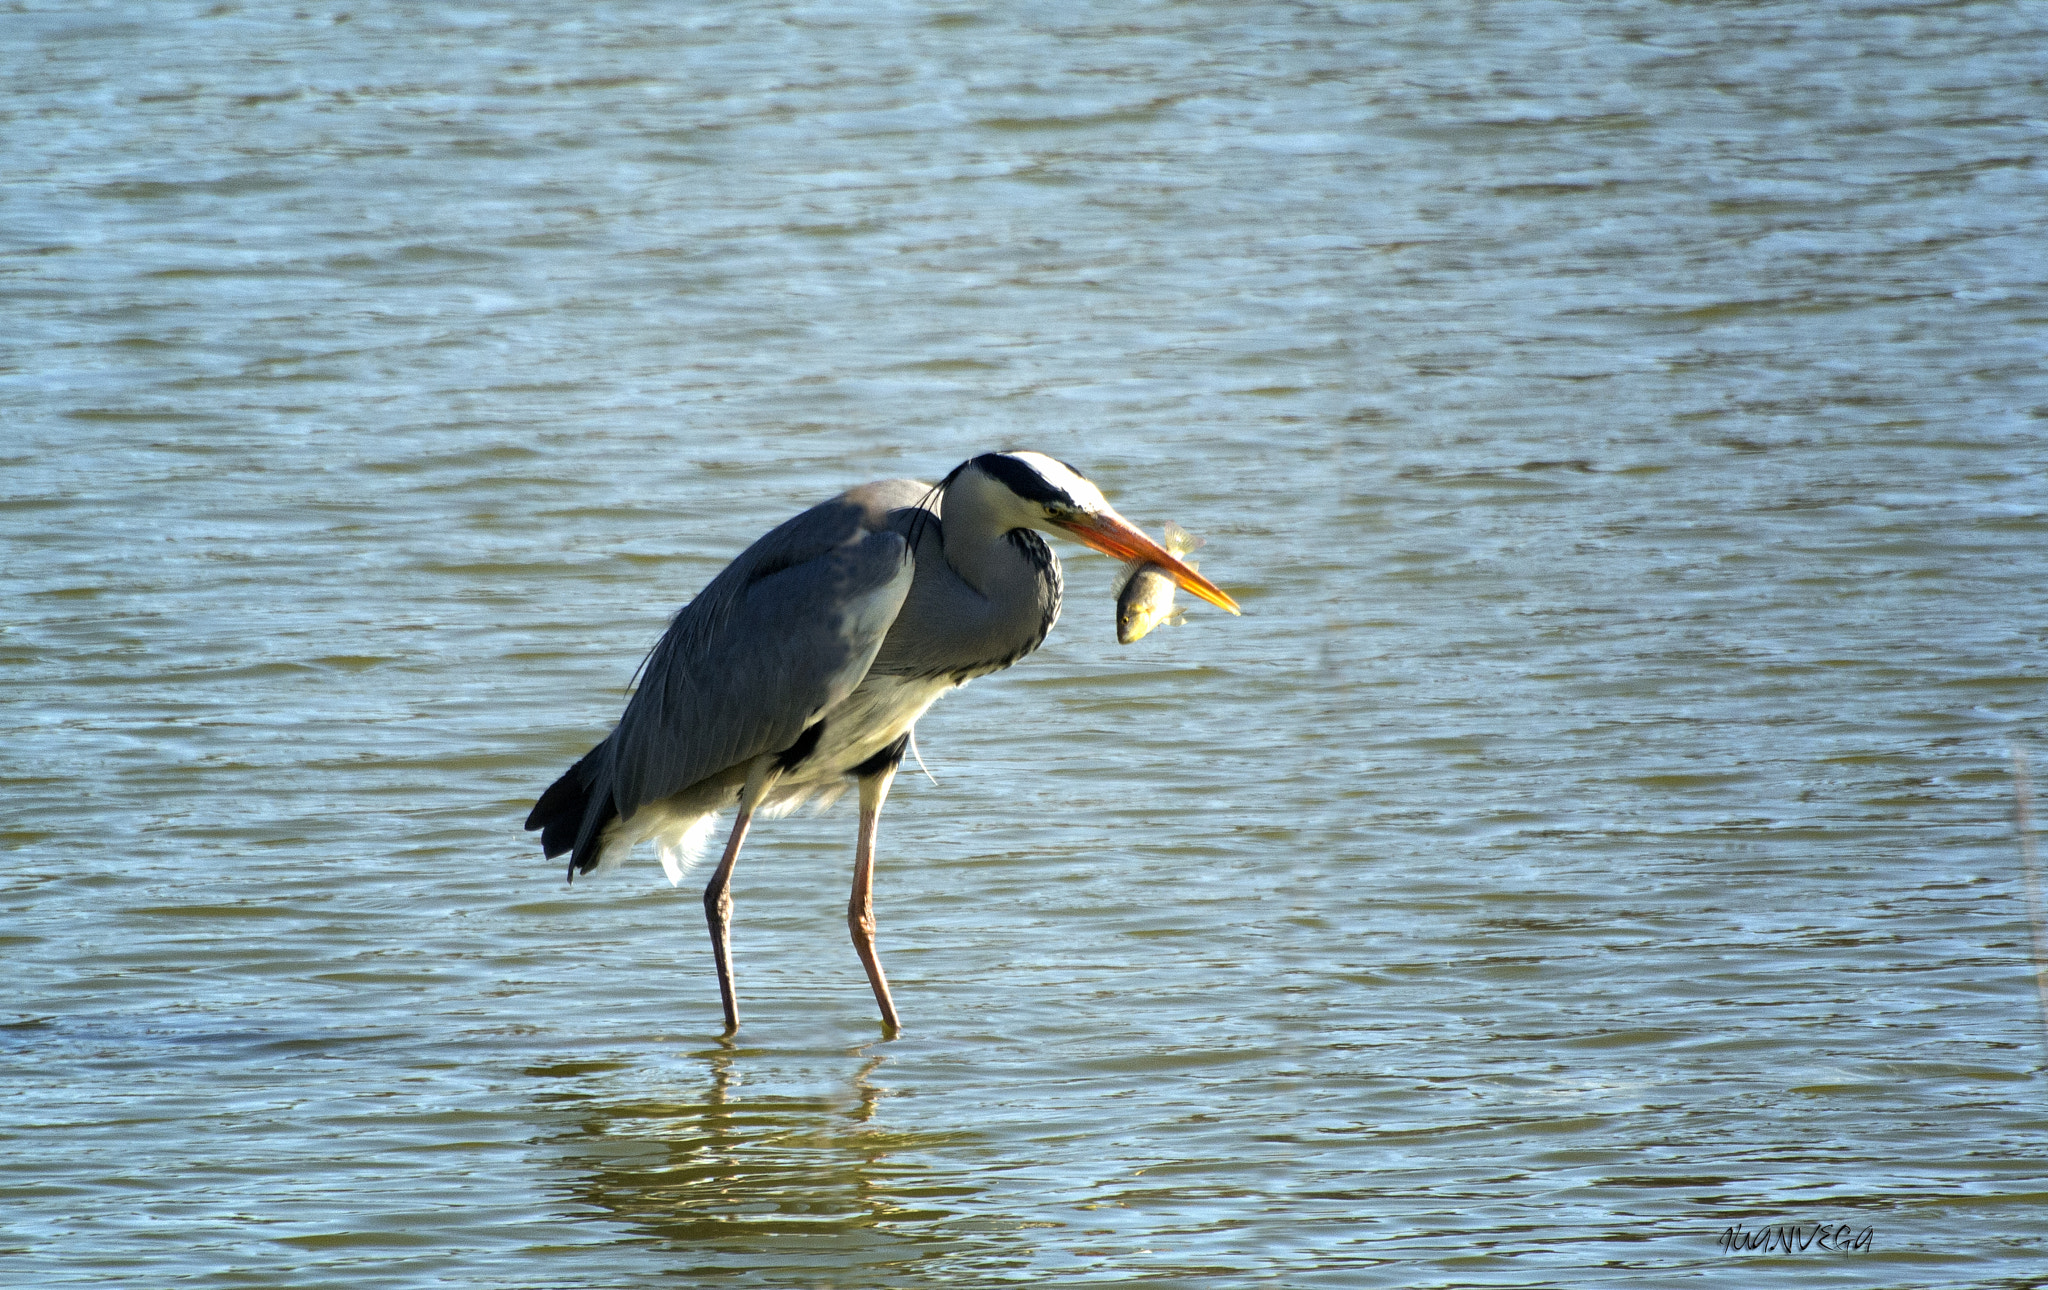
[[761, 1168]]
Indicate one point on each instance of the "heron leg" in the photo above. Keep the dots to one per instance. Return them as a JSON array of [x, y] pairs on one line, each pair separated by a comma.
[[860, 909], [718, 892]]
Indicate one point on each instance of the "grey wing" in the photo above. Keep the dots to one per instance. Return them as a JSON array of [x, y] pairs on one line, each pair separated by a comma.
[[776, 641]]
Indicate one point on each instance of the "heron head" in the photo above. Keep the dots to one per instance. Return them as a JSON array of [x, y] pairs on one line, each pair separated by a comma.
[[1040, 492]]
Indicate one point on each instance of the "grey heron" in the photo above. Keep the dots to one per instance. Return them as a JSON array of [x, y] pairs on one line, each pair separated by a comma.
[[802, 667]]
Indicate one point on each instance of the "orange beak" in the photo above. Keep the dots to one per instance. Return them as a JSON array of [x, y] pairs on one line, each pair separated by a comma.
[[1112, 534]]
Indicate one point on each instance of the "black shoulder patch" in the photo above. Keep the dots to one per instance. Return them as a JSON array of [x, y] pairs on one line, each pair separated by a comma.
[[1021, 479], [885, 759], [806, 744]]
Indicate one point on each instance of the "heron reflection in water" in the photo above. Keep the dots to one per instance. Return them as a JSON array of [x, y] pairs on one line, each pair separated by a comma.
[[803, 667]]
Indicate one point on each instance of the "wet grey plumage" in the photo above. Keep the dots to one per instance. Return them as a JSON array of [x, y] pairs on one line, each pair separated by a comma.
[[787, 633], [803, 666]]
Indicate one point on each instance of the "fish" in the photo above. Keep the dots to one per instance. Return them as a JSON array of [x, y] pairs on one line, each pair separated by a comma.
[[1144, 592]]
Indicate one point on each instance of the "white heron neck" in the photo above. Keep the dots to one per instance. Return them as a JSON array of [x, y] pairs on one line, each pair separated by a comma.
[[982, 519], [987, 588]]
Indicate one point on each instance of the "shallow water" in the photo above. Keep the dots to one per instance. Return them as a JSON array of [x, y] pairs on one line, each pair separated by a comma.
[[1622, 427]]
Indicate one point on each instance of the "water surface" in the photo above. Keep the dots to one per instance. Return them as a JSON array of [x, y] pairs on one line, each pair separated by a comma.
[[1621, 425]]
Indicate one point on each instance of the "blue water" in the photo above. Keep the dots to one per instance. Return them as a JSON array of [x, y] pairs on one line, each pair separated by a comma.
[[1623, 428]]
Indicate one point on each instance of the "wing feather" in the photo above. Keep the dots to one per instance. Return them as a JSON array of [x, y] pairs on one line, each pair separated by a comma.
[[773, 644]]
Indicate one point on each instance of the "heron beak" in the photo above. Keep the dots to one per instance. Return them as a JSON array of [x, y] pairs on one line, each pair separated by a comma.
[[1112, 534]]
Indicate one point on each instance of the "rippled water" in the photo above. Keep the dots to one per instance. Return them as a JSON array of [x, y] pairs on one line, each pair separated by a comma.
[[1622, 424]]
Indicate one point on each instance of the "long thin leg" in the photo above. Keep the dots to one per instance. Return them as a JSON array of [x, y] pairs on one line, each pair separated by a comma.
[[860, 909], [718, 894]]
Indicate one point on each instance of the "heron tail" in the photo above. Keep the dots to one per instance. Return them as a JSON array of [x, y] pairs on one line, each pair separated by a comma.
[[573, 813]]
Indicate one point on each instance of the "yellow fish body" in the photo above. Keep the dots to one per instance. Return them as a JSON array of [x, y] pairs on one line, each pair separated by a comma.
[[1145, 591]]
